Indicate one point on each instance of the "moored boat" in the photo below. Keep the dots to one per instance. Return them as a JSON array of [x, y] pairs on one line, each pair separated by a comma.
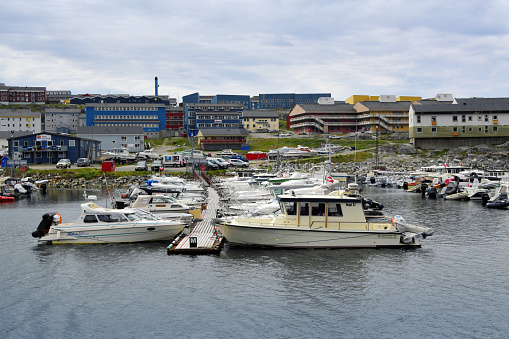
[[105, 225], [321, 221]]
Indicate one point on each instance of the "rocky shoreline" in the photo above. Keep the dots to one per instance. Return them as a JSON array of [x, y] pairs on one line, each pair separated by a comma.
[[406, 158], [124, 182]]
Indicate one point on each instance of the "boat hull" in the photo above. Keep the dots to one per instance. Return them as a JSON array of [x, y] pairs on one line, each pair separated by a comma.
[[72, 234], [298, 237]]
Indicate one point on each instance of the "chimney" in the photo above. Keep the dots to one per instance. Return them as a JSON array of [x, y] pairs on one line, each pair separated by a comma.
[[157, 88]]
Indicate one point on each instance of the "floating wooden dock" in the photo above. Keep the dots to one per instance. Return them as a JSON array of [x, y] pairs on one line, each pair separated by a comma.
[[204, 238]]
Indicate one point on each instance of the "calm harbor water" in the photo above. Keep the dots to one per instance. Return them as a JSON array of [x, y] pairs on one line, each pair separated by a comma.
[[455, 286]]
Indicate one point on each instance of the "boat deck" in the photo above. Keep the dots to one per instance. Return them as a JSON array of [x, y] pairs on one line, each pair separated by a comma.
[[204, 238]]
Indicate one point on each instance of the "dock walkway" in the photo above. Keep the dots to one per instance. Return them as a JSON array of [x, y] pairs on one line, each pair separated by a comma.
[[204, 238]]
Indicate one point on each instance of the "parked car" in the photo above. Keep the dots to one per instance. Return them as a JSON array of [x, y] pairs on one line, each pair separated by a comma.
[[141, 166], [221, 162], [333, 136], [64, 163], [83, 162], [156, 165], [212, 165], [238, 163], [285, 135]]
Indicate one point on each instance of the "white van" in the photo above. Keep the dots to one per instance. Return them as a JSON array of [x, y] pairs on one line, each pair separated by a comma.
[[173, 160]]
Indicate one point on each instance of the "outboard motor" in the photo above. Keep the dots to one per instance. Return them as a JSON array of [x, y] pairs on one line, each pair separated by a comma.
[[370, 204], [45, 224], [432, 192], [485, 198], [424, 187], [405, 185], [372, 180]]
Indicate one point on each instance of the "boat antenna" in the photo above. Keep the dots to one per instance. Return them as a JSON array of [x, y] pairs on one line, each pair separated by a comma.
[[109, 192]]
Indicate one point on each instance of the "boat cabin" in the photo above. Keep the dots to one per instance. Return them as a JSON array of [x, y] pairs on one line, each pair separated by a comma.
[[324, 211]]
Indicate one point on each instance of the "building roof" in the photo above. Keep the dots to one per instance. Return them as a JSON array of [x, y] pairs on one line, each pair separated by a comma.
[[260, 114], [466, 105], [120, 130], [338, 107], [223, 132], [377, 105]]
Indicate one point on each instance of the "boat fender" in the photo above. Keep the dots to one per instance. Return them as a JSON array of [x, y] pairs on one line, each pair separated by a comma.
[[58, 235], [57, 218]]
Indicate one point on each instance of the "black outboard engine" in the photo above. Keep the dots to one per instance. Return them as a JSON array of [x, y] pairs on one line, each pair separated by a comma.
[[485, 197], [432, 192], [372, 180], [371, 204], [405, 185], [44, 225], [424, 187]]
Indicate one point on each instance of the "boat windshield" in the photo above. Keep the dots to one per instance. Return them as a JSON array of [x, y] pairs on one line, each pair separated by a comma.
[[133, 217], [142, 214]]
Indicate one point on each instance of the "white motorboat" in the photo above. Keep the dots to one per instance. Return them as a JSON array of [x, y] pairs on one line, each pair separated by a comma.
[[166, 207], [119, 153], [300, 152], [321, 221], [106, 225], [164, 184], [148, 154]]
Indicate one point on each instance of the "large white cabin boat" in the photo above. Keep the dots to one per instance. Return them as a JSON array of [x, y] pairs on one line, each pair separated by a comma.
[[321, 221]]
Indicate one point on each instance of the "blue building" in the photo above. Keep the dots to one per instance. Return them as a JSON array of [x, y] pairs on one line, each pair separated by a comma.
[[152, 117], [287, 100], [204, 116], [244, 100], [196, 98], [49, 148]]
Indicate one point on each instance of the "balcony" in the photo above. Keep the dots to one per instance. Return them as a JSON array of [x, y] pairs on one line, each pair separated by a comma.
[[40, 148]]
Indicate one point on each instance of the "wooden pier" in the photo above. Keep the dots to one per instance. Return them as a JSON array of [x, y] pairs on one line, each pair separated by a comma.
[[204, 238]]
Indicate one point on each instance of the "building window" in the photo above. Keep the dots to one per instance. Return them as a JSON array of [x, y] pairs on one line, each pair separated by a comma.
[[61, 143], [495, 117], [470, 129], [419, 129], [433, 129], [463, 118], [486, 128], [495, 128], [72, 143], [455, 129], [469, 118], [418, 119], [454, 118], [463, 129]]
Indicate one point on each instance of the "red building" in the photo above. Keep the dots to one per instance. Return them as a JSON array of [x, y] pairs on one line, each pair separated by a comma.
[[175, 120], [22, 95]]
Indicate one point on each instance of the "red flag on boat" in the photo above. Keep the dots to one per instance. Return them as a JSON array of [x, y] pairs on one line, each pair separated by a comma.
[[329, 179]]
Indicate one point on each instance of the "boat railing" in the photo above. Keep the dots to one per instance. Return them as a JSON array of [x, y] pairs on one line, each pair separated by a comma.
[[382, 224]]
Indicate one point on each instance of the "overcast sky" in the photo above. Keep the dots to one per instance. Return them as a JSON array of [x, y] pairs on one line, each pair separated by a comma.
[[248, 47]]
